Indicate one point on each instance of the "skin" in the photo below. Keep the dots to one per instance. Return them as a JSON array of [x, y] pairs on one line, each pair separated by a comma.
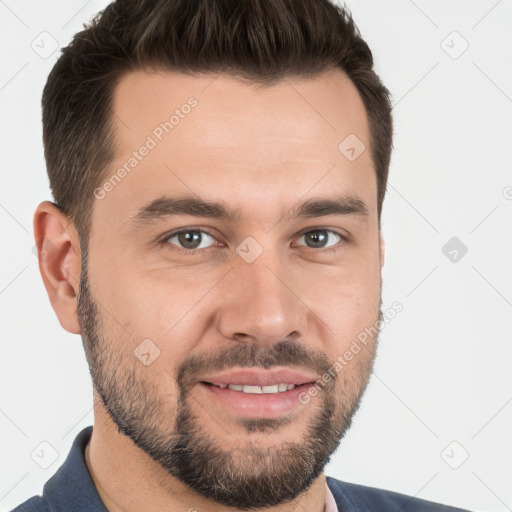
[[261, 150]]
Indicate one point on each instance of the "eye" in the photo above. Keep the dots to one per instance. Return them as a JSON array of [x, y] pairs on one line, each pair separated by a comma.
[[190, 239], [195, 241], [318, 238]]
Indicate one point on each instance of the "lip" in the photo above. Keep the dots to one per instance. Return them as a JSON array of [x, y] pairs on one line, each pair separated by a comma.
[[246, 405], [259, 377]]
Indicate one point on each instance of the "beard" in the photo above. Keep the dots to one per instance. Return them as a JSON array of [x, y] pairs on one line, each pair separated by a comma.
[[250, 475]]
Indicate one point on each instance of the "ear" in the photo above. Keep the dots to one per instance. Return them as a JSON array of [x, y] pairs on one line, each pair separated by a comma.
[[58, 249], [381, 249]]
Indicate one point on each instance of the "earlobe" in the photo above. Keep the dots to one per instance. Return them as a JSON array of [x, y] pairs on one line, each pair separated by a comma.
[[58, 248]]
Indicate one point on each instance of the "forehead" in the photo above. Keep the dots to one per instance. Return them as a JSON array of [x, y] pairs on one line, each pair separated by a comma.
[[327, 105], [252, 146]]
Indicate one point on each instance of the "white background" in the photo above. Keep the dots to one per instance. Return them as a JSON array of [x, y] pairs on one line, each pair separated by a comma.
[[443, 372]]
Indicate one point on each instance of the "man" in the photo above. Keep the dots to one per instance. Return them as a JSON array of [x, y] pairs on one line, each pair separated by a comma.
[[219, 169]]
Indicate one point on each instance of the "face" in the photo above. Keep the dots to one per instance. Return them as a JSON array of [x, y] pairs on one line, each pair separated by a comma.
[[241, 239]]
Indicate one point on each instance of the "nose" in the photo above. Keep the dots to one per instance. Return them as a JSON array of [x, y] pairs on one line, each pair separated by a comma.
[[260, 303]]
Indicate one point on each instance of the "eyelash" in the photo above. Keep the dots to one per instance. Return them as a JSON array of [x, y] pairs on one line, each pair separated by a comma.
[[181, 250]]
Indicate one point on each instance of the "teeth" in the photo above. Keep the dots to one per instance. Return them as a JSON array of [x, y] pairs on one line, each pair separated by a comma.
[[274, 388], [252, 389]]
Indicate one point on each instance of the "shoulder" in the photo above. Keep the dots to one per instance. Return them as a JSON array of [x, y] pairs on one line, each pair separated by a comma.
[[34, 504], [353, 497]]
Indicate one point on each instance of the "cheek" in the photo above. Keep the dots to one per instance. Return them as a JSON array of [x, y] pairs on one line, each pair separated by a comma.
[[167, 311], [136, 305], [349, 313], [347, 301]]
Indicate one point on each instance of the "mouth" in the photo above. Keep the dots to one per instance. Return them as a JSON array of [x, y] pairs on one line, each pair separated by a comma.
[[253, 401], [254, 389]]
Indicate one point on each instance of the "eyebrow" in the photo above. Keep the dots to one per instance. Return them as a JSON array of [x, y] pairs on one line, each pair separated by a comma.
[[168, 206]]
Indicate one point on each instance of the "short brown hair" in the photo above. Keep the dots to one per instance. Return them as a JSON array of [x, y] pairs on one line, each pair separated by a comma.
[[260, 41]]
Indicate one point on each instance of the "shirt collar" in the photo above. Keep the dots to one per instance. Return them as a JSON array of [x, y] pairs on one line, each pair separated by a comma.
[[72, 487]]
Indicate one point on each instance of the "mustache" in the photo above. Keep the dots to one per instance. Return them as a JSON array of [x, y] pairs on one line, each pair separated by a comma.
[[283, 353]]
